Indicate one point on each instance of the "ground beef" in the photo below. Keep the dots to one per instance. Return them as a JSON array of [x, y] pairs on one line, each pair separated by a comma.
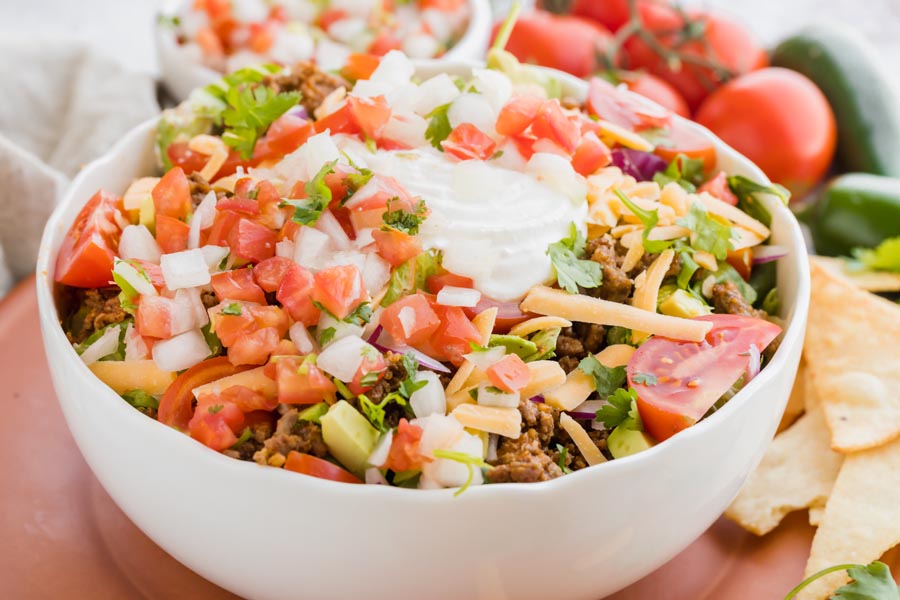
[[540, 417], [523, 460], [259, 433], [727, 299], [291, 434], [199, 188], [314, 85], [96, 308], [208, 297], [393, 377], [574, 459], [647, 260], [576, 342], [617, 285]]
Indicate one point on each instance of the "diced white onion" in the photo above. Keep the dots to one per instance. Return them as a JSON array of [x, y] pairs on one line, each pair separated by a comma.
[[493, 441], [305, 162], [451, 473], [706, 287], [379, 454], [437, 91], [346, 30], [103, 346], [135, 348], [489, 397], [458, 296], [375, 273], [342, 329], [557, 173], [429, 399], [312, 248], [301, 337], [407, 130], [474, 109], [202, 218], [421, 45], [185, 269], [394, 69], [213, 256], [292, 44], [374, 477], [135, 279], [364, 238], [189, 300], [329, 225], [285, 249], [343, 358], [483, 360], [137, 243], [180, 352], [407, 318], [494, 85], [365, 88]]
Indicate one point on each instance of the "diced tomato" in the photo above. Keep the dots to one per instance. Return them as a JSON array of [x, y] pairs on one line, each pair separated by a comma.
[[230, 324], [370, 114], [186, 159], [287, 133], [689, 377], [370, 372], [215, 422], [262, 37], [410, 320], [237, 285], [683, 139], [296, 294], [525, 145], [742, 261], [435, 283], [209, 42], [591, 155], [176, 405], [239, 204], [172, 195], [270, 273], [625, 108], [441, 5], [518, 115], [383, 43], [270, 316], [307, 464], [340, 121], [367, 212], [254, 348], [285, 348], [171, 234], [251, 241], [360, 66], [88, 251], [302, 382], [224, 223], [339, 289], [468, 142], [718, 187], [404, 453], [395, 246], [329, 16], [246, 399], [153, 317], [510, 373], [455, 335], [153, 272], [553, 124]]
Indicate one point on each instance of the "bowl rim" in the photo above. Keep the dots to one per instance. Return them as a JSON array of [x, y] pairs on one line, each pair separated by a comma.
[[477, 33], [202, 457]]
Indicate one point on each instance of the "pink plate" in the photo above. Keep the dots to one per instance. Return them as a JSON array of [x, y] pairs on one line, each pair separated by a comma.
[[63, 536]]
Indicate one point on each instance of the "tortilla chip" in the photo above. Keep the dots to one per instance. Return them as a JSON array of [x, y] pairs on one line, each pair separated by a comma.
[[851, 352], [797, 471], [871, 281], [815, 515], [862, 517], [796, 404]]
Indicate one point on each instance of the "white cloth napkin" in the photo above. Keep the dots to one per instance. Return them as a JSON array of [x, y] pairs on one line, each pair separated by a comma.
[[63, 106]]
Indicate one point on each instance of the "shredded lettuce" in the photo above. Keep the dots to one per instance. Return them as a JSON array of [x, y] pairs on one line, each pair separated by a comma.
[[746, 191], [709, 233], [885, 257], [649, 219], [411, 276]]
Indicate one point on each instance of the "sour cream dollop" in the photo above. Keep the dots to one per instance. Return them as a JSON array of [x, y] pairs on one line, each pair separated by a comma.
[[492, 224]]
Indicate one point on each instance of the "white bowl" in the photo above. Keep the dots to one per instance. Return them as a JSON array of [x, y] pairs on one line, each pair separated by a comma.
[[181, 75], [266, 533]]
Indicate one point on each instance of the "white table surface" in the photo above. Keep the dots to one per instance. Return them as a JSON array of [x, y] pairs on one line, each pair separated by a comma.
[[123, 28]]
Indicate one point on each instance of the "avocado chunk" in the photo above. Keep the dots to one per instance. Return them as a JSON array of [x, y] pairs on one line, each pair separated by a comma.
[[624, 441], [514, 345], [682, 304], [349, 436]]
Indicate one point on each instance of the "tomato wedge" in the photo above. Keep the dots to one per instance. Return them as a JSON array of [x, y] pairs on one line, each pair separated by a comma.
[[678, 382], [87, 253], [683, 139], [307, 464], [176, 406]]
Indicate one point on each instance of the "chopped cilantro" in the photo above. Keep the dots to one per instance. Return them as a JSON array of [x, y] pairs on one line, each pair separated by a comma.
[[622, 406], [869, 582], [573, 271], [648, 379], [216, 408], [318, 196], [245, 436], [439, 126], [473, 394], [885, 257], [212, 340], [326, 335], [234, 309], [361, 315], [410, 385], [746, 190], [375, 412], [170, 21], [470, 461], [649, 219], [606, 380], [709, 233], [407, 221], [563, 454], [140, 399], [683, 170], [411, 276]]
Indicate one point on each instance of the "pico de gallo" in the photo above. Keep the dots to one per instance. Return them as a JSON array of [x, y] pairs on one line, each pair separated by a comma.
[[424, 283], [226, 35]]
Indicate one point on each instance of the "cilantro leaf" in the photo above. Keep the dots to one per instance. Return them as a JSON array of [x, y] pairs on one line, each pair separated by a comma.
[[251, 109], [563, 454], [140, 399], [470, 461], [410, 385], [245, 436], [411, 276], [885, 257], [318, 196], [407, 221], [606, 380], [439, 126], [870, 582], [361, 315], [709, 233], [683, 170], [649, 218], [746, 190], [648, 379], [326, 335], [233, 309], [571, 270], [622, 406], [212, 340]]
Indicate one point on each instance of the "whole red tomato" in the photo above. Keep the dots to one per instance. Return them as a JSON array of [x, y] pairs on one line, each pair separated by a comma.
[[656, 89], [778, 119], [563, 42], [703, 37]]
